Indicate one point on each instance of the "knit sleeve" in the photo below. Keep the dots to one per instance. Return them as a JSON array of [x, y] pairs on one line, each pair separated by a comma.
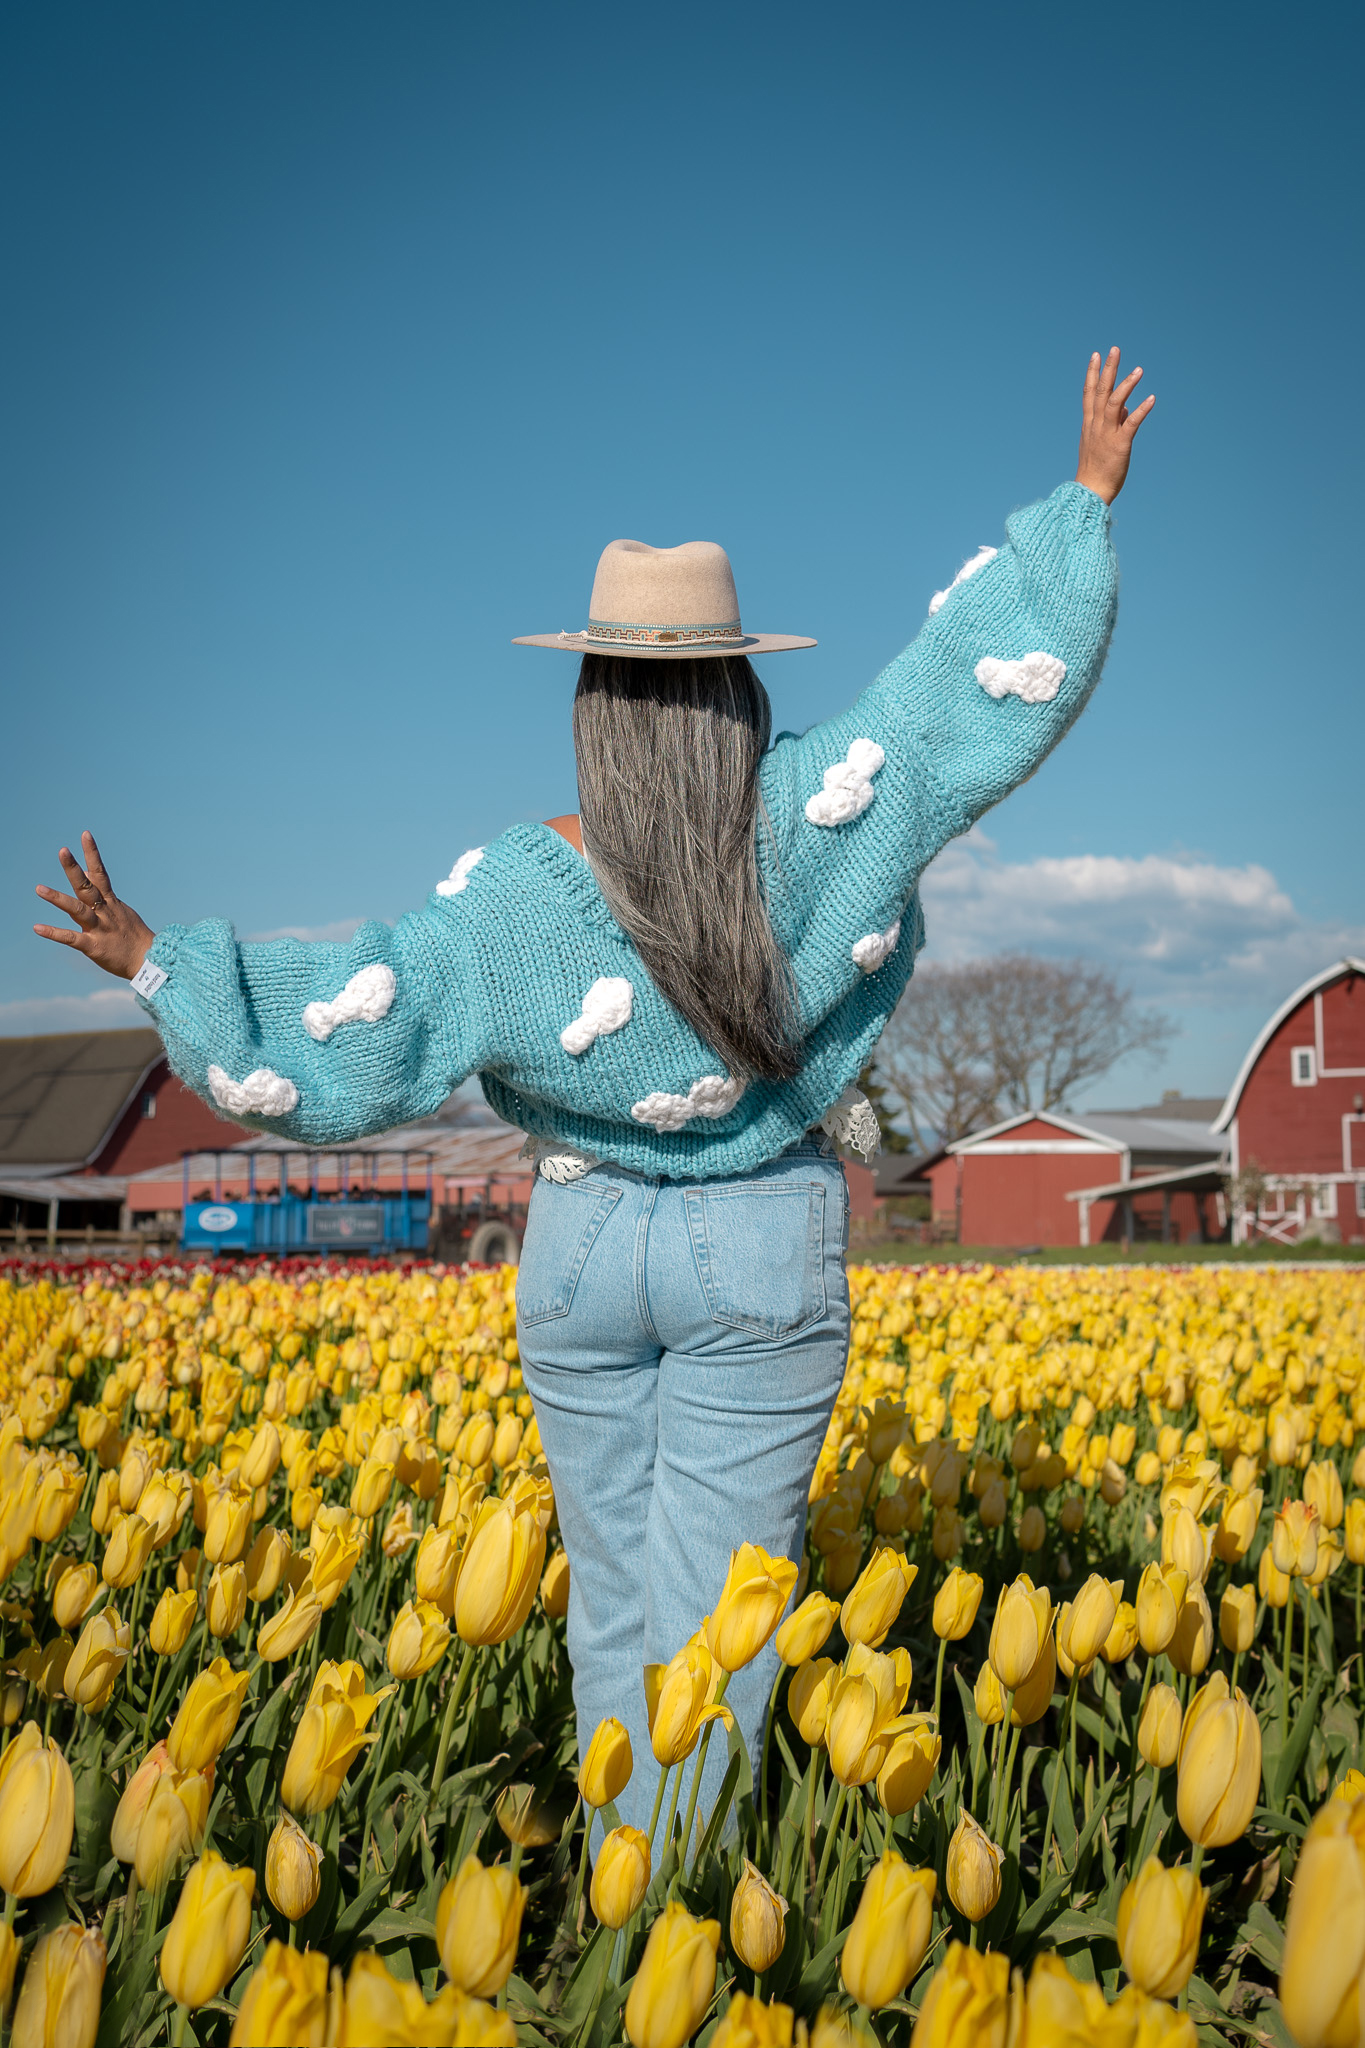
[[322, 1043], [1002, 667]]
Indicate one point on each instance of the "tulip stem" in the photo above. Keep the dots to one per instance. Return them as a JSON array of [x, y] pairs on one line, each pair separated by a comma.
[[672, 1816], [938, 1677], [762, 1800], [588, 2024], [658, 1805], [182, 2014], [1057, 1779], [696, 1775], [574, 1910], [1133, 1748], [1288, 1664], [448, 1724], [831, 1830]]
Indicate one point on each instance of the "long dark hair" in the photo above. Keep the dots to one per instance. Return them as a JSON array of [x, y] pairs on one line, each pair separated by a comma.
[[668, 755]]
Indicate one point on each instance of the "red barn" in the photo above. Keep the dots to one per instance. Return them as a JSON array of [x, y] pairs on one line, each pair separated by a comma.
[[1295, 1116]]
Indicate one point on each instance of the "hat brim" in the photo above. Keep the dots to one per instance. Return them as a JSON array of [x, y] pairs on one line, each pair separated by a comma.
[[751, 643]]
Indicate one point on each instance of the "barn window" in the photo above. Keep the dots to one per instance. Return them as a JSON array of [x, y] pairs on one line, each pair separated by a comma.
[[1325, 1199], [1303, 1066], [1360, 1198], [149, 1104]]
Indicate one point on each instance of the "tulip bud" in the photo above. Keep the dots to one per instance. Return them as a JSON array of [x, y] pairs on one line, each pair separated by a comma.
[[1122, 1638], [478, 1925], [1148, 1469], [371, 1489], [1032, 1530], [1023, 1619], [1113, 1483], [417, 1640], [620, 1876], [1160, 1597], [970, 2002], [889, 1936], [172, 1619], [808, 1698], [291, 1625], [1321, 1973], [37, 1814], [9, 1959], [227, 1527], [956, 1604], [875, 1601], [684, 1691], [208, 1715], [1220, 1765], [675, 1981], [1085, 1622], [437, 1568], [973, 1869], [265, 1563], [73, 1593], [758, 1915], [554, 1586], [805, 1631], [1158, 1736], [988, 1696], [131, 1807], [226, 1603], [127, 1551], [102, 1649], [209, 1931], [1355, 1529], [1237, 1525], [501, 1570], [864, 1705], [1322, 1490], [1237, 1618], [261, 1458], [60, 1998], [1159, 1919], [605, 1770], [285, 1999], [525, 1817], [171, 1826], [293, 1865], [331, 1734], [1294, 1543], [1273, 1585], [1030, 1701], [910, 1763]]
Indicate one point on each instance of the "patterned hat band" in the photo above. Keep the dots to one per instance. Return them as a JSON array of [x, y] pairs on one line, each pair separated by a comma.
[[619, 632]]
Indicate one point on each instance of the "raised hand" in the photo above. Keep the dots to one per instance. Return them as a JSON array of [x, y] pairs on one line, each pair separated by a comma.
[[1107, 426], [108, 932]]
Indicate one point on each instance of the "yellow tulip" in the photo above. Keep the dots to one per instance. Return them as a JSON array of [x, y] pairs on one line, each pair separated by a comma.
[[865, 1703], [1061, 2010], [501, 1569], [1023, 1619], [59, 2002], [554, 1586], [371, 1488], [208, 1715], [682, 1704], [875, 1601], [1186, 1544], [131, 1807], [973, 1869], [758, 1915], [1148, 1469], [335, 1557], [675, 1980], [330, 1736], [1084, 1623], [291, 1625], [9, 1961], [1322, 1973], [1158, 1735], [172, 1619], [417, 1640], [605, 1770], [478, 1925], [261, 1458], [1159, 1919], [750, 2023], [757, 1588], [1273, 1585], [171, 1826], [226, 1601], [988, 1696], [1355, 1529], [1032, 1530], [437, 1568], [1219, 1777], [1237, 1525], [1160, 1597], [126, 1552], [1294, 1542], [910, 1763], [265, 1563], [285, 2002], [1122, 1638], [1322, 1490], [379, 2007], [806, 1631], [1351, 1787], [1032, 1699], [164, 1503], [620, 1876], [209, 1931], [808, 1698], [970, 2002], [889, 1936], [1237, 1618], [73, 1593], [102, 1649], [956, 1603], [37, 1814], [293, 1869], [227, 1527], [1192, 1644]]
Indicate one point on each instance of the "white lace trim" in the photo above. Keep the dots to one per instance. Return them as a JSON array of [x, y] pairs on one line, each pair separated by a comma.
[[556, 1162], [852, 1121]]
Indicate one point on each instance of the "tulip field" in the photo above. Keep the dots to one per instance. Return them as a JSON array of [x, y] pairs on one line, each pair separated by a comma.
[[1066, 1732]]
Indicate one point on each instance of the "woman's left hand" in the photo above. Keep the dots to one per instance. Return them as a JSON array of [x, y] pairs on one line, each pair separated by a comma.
[[1107, 426]]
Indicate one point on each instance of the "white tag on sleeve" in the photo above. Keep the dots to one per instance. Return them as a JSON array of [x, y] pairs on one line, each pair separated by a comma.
[[148, 979]]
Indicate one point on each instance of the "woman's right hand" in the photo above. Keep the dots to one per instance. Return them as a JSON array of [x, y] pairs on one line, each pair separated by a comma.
[[1107, 426], [108, 932]]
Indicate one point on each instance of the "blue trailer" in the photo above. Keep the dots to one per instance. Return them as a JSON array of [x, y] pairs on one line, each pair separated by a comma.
[[287, 1211]]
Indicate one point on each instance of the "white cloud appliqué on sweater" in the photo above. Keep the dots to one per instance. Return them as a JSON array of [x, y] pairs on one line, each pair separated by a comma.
[[848, 786], [262, 1093], [367, 997], [606, 1007], [1036, 677], [714, 1095], [457, 881], [978, 561], [869, 953]]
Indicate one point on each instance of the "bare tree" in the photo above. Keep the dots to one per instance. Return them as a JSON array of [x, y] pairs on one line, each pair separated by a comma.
[[974, 1043]]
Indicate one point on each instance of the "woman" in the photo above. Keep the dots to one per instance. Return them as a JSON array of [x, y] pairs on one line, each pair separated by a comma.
[[675, 1020]]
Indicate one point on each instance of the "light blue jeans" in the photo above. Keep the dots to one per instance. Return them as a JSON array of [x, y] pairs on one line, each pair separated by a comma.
[[683, 1344]]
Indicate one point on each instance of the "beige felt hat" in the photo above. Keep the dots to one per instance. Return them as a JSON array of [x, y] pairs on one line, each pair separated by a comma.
[[663, 604]]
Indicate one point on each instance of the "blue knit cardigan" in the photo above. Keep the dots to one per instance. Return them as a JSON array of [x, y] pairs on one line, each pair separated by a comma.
[[515, 970]]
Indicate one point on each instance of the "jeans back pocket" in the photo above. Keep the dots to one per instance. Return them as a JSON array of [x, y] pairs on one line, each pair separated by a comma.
[[759, 1249], [561, 1229]]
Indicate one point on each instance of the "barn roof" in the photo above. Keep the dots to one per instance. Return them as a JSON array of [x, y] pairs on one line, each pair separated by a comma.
[[1268, 1030], [62, 1094]]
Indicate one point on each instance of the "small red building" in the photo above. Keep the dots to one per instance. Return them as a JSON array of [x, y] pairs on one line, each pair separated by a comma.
[[1295, 1116]]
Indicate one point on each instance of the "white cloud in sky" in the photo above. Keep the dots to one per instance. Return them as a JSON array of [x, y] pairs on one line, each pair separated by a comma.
[[1180, 929], [327, 934], [103, 1009]]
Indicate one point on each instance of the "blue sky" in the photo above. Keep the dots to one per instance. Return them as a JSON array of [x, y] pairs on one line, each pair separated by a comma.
[[341, 338]]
